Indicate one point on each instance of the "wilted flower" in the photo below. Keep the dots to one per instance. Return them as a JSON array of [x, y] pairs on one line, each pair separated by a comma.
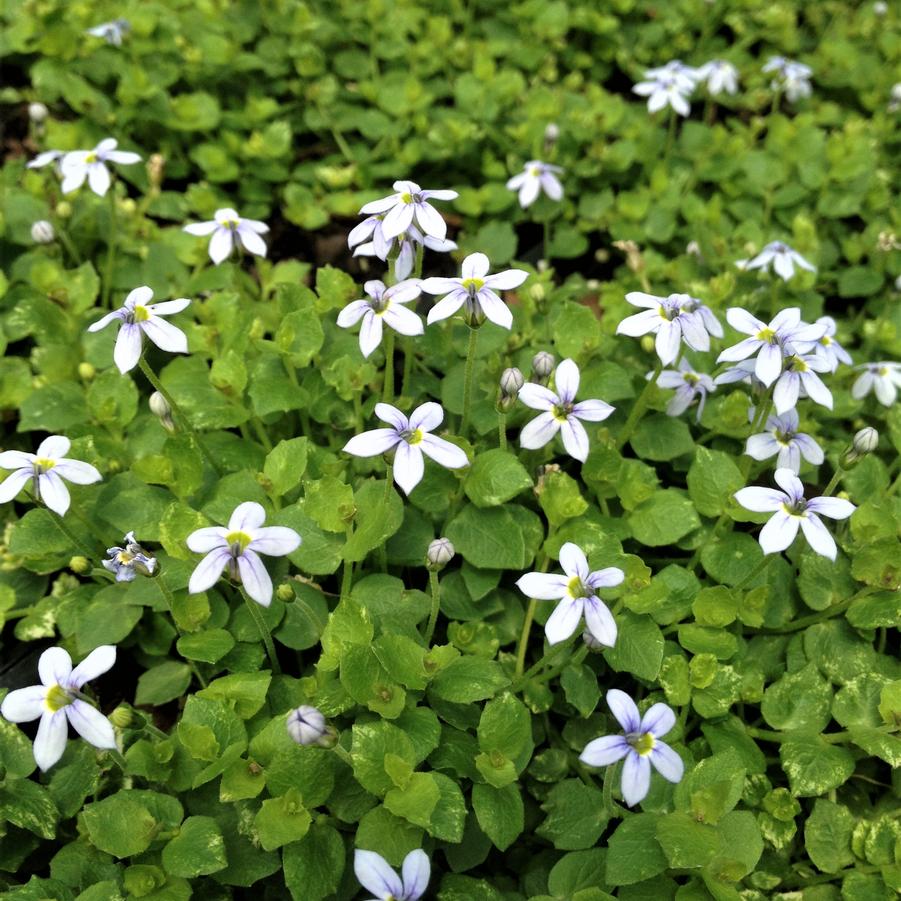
[[688, 384], [410, 202], [140, 317], [792, 77], [783, 438], [640, 745], [128, 561], [686, 75], [368, 240], [225, 227], [884, 379], [386, 305], [306, 726], [536, 177], [719, 76], [237, 548], [671, 319], [376, 876], [561, 412], [790, 510], [799, 376], [46, 469], [91, 165], [440, 552], [112, 32], [411, 439], [42, 232], [58, 701], [576, 592], [666, 90], [782, 259], [828, 349], [475, 290], [784, 336]]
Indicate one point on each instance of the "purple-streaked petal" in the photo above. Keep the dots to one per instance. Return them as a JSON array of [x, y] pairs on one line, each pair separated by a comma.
[[373, 442], [539, 431], [165, 335], [141, 296], [658, 720], [785, 394], [506, 280], [169, 307], [430, 221], [374, 874], [810, 450], [833, 507], [573, 561], [551, 186], [668, 341], [599, 621], [495, 309], [255, 578], [205, 540], [789, 457], [127, 351], [106, 320], [16, 460], [636, 779], [208, 571], [693, 331], [380, 206], [91, 724], [738, 352], [760, 500], [397, 220], [50, 741], [415, 874], [789, 318], [816, 390], [592, 410], [538, 397], [98, 178], [54, 667], [274, 541], [783, 266], [564, 620], [762, 446], [391, 415], [53, 492], [543, 586], [436, 285], [24, 704], [443, 452], [447, 306], [427, 416], [73, 178], [575, 438], [641, 299], [818, 536], [409, 466], [360, 233], [370, 333], [609, 577], [246, 517], [528, 191], [779, 532], [566, 380], [667, 762], [441, 194], [769, 364], [476, 265], [624, 709], [402, 320], [14, 483], [605, 750], [100, 660], [353, 313], [201, 229], [789, 483], [252, 242]]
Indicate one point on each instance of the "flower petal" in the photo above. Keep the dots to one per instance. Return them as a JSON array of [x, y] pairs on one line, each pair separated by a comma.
[[221, 244], [91, 724], [760, 500], [430, 220], [127, 351], [566, 381], [543, 586], [444, 452], [104, 321], [640, 324], [99, 661], [592, 410], [818, 536], [246, 517], [779, 532], [573, 561], [203, 541], [600, 621], [392, 416], [370, 333], [255, 578], [397, 220], [495, 309], [415, 873], [14, 483], [201, 229], [24, 704], [538, 397], [402, 320], [658, 720], [53, 492], [54, 666], [98, 178], [539, 431], [208, 571], [506, 280], [833, 507], [636, 779], [446, 307], [374, 874], [624, 709], [575, 438], [55, 447], [165, 335], [564, 620], [353, 313], [275, 541], [372, 443], [252, 242], [667, 762], [609, 577], [605, 750], [476, 265], [427, 416], [408, 466], [50, 741], [668, 341]]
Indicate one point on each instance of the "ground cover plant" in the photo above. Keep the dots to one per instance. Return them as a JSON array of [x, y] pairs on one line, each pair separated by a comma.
[[450, 450]]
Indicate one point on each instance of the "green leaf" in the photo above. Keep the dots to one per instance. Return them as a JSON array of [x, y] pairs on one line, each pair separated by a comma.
[[660, 438], [639, 646], [633, 852], [814, 767], [245, 693], [576, 816], [580, 686], [313, 866], [371, 743], [29, 806], [209, 645], [560, 498], [827, 836], [496, 538], [664, 518], [468, 679], [416, 800], [162, 683], [282, 820], [495, 477], [685, 842], [798, 701], [500, 813], [379, 515], [329, 502], [712, 480], [119, 825], [197, 850], [285, 464]]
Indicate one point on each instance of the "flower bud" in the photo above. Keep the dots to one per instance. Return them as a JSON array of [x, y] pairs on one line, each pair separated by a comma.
[[866, 441], [647, 343], [551, 135], [86, 371], [42, 232], [37, 112], [439, 554], [511, 381], [537, 292], [880, 8], [160, 408], [693, 249], [128, 206], [284, 592], [155, 166], [306, 725], [79, 564], [121, 717], [542, 365], [64, 209]]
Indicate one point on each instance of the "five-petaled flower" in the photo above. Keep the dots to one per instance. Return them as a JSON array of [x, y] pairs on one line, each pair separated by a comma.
[[130, 560], [79, 165], [376, 875], [58, 701], [719, 76], [368, 240], [237, 548], [139, 317], [784, 336], [577, 594], [386, 305], [225, 227], [561, 412], [408, 202], [783, 438], [828, 348], [640, 745], [46, 469], [884, 379], [793, 77], [535, 178], [783, 259], [666, 90], [410, 439], [475, 291], [790, 510], [671, 319], [689, 384]]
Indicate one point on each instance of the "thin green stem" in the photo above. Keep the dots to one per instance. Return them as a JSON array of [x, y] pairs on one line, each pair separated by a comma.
[[158, 733], [670, 136], [110, 249], [435, 590], [812, 620], [120, 760], [638, 408], [832, 738], [388, 384], [343, 754], [502, 430], [760, 418], [774, 297], [347, 577], [761, 566], [257, 616], [66, 241], [260, 429], [177, 411], [407, 345], [166, 592], [61, 525], [17, 613], [417, 265], [833, 483], [524, 638], [578, 656], [468, 370]]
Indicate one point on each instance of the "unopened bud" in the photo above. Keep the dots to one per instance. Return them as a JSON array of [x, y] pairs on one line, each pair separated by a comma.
[[439, 554], [537, 292], [79, 565], [647, 343], [306, 726], [284, 592], [512, 380], [160, 408], [64, 209], [155, 166], [551, 134], [121, 717], [42, 232], [880, 8], [542, 365], [86, 371], [866, 440], [693, 249], [37, 112], [128, 206]]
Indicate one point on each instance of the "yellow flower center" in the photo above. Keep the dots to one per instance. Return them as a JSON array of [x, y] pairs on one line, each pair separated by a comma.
[[643, 744], [43, 464], [238, 540], [690, 378], [883, 370], [141, 313], [798, 512], [576, 588], [825, 341], [766, 334], [91, 157], [414, 436], [534, 171], [57, 698], [406, 197], [473, 285], [798, 365]]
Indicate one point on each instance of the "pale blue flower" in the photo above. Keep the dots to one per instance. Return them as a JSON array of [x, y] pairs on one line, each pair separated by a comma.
[[111, 32], [783, 438], [129, 560]]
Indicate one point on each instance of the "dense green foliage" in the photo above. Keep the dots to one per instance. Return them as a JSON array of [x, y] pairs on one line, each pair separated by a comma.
[[785, 679]]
